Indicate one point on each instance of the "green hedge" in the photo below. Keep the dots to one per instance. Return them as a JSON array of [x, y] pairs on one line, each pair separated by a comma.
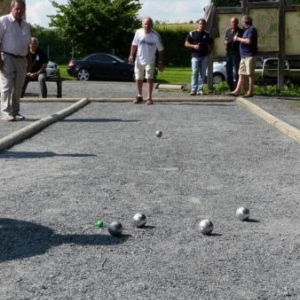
[[173, 37]]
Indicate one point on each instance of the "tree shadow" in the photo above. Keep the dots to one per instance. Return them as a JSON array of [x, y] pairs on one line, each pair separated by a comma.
[[22, 239], [34, 154]]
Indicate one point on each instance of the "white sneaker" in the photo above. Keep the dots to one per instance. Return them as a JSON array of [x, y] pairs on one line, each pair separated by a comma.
[[7, 117], [200, 92], [19, 117]]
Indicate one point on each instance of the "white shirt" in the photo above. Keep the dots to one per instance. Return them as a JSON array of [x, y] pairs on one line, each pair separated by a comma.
[[147, 44], [14, 38]]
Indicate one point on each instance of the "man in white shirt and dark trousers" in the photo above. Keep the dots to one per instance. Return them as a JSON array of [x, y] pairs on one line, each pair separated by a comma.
[[145, 44], [15, 37]]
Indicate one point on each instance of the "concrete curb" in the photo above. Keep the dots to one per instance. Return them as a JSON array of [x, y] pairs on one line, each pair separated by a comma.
[[31, 129], [281, 126], [194, 99]]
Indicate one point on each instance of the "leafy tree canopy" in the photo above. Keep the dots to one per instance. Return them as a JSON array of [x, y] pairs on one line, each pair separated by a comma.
[[226, 3], [96, 25]]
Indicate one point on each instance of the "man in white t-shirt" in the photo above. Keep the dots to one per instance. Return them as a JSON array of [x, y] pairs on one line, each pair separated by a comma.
[[145, 44]]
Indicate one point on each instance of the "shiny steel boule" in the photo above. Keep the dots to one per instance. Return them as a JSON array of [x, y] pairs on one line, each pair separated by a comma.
[[243, 213], [206, 226], [139, 220], [159, 133], [115, 228]]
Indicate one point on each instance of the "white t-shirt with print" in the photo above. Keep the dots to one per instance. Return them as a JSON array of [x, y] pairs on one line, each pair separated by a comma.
[[147, 44]]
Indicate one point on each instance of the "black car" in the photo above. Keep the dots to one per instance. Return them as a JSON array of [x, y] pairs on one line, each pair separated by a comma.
[[102, 66]]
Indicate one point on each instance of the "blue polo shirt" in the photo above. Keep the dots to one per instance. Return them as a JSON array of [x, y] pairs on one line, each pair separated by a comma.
[[251, 49]]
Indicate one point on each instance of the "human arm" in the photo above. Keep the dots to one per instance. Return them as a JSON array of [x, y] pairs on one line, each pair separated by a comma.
[[160, 60], [246, 41], [1, 63], [189, 45], [247, 38], [37, 73], [132, 52]]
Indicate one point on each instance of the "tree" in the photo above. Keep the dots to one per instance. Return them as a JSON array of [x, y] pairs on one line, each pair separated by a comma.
[[97, 25], [226, 3]]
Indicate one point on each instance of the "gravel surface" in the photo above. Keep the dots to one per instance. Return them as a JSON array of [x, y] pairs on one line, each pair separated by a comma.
[[105, 162]]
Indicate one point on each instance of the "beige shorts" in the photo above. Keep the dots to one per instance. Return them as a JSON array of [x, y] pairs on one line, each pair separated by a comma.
[[247, 66], [144, 71]]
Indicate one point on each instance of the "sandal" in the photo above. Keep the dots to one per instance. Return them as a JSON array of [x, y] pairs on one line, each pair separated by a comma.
[[138, 99], [149, 101]]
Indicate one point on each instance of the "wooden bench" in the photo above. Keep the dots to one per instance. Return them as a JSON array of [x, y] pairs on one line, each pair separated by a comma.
[[55, 78]]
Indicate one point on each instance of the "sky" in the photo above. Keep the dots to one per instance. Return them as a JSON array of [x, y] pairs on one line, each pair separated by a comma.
[[169, 11]]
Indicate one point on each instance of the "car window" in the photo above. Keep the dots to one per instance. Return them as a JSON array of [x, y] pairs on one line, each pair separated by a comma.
[[100, 58], [272, 64], [294, 64]]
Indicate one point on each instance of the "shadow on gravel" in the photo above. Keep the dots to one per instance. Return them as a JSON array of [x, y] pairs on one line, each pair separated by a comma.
[[102, 120], [29, 154], [21, 239], [208, 104], [252, 220]]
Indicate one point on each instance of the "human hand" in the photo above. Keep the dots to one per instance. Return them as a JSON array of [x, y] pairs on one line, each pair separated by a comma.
[[130, 59], [32, 75], [160, 66]]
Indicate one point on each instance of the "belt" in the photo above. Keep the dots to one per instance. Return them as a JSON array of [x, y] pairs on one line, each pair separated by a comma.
[[13, 55]]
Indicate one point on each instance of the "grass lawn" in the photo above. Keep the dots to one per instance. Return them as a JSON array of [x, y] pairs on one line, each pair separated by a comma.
[[175, 76], [64, 74], [169, 75], [182, 75]]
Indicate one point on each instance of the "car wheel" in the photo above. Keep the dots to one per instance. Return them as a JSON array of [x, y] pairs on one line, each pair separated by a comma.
[[218, 77], [83, 75]]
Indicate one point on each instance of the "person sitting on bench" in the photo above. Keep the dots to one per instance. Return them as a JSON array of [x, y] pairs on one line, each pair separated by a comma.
[[39, 61]]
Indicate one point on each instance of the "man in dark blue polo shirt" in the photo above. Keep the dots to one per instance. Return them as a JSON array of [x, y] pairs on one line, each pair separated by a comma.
[[201, 44], [248, 51]]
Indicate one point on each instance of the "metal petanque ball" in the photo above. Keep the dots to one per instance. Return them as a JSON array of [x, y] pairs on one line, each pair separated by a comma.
[[139, 220], [206, 226], [243, 213], [159, 133], [99, 224], [115, 228]]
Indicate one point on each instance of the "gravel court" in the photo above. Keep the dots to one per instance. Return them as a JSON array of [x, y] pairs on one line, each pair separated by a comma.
[[106, 162], [32, 112]]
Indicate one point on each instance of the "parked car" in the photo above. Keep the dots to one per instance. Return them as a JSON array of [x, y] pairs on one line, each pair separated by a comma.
[[267, 70], [52, 69], [102, 66], [219, 72]]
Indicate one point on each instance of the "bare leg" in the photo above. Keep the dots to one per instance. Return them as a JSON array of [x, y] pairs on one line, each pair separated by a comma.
[[150, 88], [139, 86], [240, 84], [251, 85]]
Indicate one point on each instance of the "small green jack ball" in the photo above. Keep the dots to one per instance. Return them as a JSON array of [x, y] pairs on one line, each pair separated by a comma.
[[99, 224]]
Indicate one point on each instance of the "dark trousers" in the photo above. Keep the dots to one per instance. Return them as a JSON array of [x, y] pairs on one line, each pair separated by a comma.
[[42, 85], [232, 69]]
